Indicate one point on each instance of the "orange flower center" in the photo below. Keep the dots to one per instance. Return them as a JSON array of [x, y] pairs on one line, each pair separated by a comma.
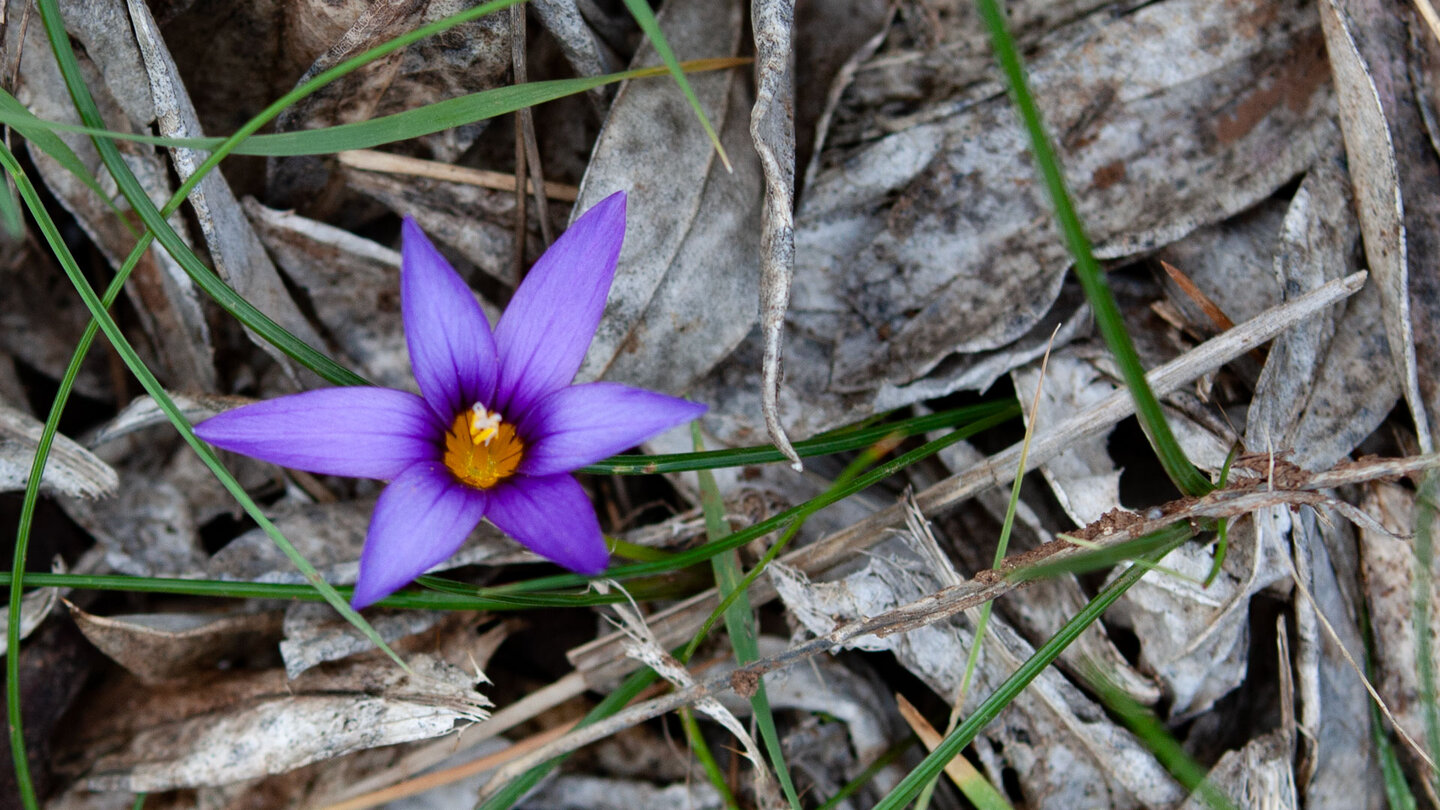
[[481, 449]]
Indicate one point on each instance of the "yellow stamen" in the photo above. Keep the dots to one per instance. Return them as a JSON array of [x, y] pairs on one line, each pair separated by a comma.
[[481, 449]]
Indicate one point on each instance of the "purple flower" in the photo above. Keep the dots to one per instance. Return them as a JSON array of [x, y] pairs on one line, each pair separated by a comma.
[[499, 427]]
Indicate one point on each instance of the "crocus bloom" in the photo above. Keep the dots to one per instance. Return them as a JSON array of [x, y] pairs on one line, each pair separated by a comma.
[[499, 427]]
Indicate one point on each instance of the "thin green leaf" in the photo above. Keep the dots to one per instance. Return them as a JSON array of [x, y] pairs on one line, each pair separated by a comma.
[[707, 759], [1107, 315], [962, 736], [43, 138], [835, 441], [645, 16], [740, 621], [401, 126]]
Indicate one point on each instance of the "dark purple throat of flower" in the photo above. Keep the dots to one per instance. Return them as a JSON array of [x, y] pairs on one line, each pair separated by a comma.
[[481, 448]]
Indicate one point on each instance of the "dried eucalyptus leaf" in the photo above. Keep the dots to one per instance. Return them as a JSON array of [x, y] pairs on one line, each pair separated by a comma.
[[1232, 263], [684, 295], [1335, 709], [70, 470], [162, 646], [1375, 105], [236, 726], [905, 280], [352, 284], [1258, 775], [585, 52]]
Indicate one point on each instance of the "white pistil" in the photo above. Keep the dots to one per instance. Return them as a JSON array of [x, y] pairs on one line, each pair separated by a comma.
[[484, 424]]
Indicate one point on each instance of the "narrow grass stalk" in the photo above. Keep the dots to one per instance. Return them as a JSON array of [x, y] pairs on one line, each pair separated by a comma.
[[1107, 315], [707, 758], [740, 622], [835, 441], [386, 129], [962, 736]]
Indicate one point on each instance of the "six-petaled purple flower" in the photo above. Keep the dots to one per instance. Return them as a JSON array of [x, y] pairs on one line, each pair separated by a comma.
[[499, 427]]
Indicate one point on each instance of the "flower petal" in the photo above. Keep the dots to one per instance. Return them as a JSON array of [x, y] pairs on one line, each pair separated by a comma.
[[551, 516], [581, 424], [546, 329], [452, 350], [421, 519], [358, 432]]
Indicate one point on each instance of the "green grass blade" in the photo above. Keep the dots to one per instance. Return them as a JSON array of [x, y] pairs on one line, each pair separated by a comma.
[[1107, 315], [740, 622], [645, 16], [1108, 556], [42, 137], [707, 758], [835, 441], [400, 126], [956, 741]]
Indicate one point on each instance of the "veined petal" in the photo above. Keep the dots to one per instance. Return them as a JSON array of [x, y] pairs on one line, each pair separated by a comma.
[[421, 519], [451, 348], [581, 424], [551, 516], [546, 329], [359, 432]]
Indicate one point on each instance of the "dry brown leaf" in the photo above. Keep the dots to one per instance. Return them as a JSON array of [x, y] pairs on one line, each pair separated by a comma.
[[164, 646]]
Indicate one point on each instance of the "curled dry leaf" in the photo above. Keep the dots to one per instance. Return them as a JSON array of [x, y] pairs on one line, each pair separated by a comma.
[[772, 129], [1378, 115], [70, 470]]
